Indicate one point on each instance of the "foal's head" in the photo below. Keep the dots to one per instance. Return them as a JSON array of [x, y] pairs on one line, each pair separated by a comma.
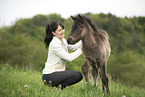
[[81, 26], [77, 29]]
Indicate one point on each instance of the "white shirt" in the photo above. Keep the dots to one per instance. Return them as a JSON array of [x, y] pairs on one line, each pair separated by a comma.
[[58, 55]]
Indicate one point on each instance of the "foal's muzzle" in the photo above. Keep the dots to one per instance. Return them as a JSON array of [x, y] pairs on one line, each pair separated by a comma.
[[70, 40]]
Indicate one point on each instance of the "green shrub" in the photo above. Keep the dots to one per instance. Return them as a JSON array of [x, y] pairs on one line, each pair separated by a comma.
[[128, 67]]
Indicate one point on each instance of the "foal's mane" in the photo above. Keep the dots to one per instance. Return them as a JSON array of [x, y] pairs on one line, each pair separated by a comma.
[[91, 23], [102, 34]]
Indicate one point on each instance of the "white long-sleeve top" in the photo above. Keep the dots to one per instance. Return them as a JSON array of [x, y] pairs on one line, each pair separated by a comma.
[[58, 55]]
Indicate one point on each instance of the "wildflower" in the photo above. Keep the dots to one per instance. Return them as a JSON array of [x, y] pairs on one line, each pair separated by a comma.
[[21, 95], [123, 96], [26, 86]]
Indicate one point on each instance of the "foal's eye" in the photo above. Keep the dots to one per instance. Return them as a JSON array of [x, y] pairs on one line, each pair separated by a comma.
[[78, 27]]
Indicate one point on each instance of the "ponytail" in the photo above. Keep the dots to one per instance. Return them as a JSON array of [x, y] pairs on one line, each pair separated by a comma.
[[49, 36]]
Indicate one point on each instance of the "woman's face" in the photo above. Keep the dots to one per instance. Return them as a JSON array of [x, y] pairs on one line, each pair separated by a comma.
[[59, 32]]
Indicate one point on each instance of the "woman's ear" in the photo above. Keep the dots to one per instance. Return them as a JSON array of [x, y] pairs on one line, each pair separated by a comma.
[[53, 33]]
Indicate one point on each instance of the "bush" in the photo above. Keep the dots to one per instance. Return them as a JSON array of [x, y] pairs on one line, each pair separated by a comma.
[[22, 50], [128, 67]]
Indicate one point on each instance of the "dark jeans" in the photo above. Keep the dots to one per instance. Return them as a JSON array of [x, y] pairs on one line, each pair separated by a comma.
[[63, 78]]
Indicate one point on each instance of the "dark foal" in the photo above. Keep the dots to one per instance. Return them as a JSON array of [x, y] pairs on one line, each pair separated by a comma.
[[96, 48]]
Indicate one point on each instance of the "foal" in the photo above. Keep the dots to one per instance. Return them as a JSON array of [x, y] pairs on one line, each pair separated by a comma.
[[96, 48]]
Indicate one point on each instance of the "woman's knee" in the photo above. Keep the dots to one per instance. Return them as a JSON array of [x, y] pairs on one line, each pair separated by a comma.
[[79, 76]]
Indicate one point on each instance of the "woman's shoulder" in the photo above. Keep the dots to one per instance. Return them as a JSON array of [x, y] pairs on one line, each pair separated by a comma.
[[64, 40], [55, 43]]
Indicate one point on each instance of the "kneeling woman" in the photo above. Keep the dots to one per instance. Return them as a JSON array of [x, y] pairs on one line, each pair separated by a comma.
[[54, 73]]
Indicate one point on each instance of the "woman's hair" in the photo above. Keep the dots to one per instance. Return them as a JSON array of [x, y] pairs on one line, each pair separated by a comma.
[[49, 28]]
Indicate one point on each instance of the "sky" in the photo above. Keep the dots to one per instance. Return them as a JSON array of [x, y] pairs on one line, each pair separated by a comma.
[[12, 10]]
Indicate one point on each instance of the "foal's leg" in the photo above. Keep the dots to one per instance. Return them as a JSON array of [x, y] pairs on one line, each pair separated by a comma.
[[85, 69], [94, 73], [104, 78]]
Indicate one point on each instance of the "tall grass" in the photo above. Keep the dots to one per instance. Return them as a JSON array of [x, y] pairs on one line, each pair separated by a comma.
[[16, 82]]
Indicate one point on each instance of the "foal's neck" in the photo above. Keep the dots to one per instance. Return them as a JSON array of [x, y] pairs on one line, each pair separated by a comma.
[[89, 38]]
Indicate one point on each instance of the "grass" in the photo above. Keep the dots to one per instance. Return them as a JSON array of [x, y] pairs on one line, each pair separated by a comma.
[[16, 82]]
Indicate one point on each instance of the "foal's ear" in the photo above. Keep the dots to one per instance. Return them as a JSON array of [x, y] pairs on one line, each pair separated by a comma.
[[80, 16], [73, 18]]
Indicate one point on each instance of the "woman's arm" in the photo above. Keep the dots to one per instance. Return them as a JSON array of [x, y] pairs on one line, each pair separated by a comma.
[[61, 52]]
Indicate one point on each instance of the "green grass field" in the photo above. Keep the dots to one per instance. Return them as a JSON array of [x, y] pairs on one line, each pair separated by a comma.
[[16, 82]]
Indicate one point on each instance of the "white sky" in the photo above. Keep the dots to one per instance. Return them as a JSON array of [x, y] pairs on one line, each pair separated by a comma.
[[11, 10]]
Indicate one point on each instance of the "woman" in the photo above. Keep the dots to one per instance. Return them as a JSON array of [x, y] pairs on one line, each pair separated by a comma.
[[54, 73]]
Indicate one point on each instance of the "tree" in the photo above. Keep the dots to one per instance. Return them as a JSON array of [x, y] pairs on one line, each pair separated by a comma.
[[40, 20], [54, 17]]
